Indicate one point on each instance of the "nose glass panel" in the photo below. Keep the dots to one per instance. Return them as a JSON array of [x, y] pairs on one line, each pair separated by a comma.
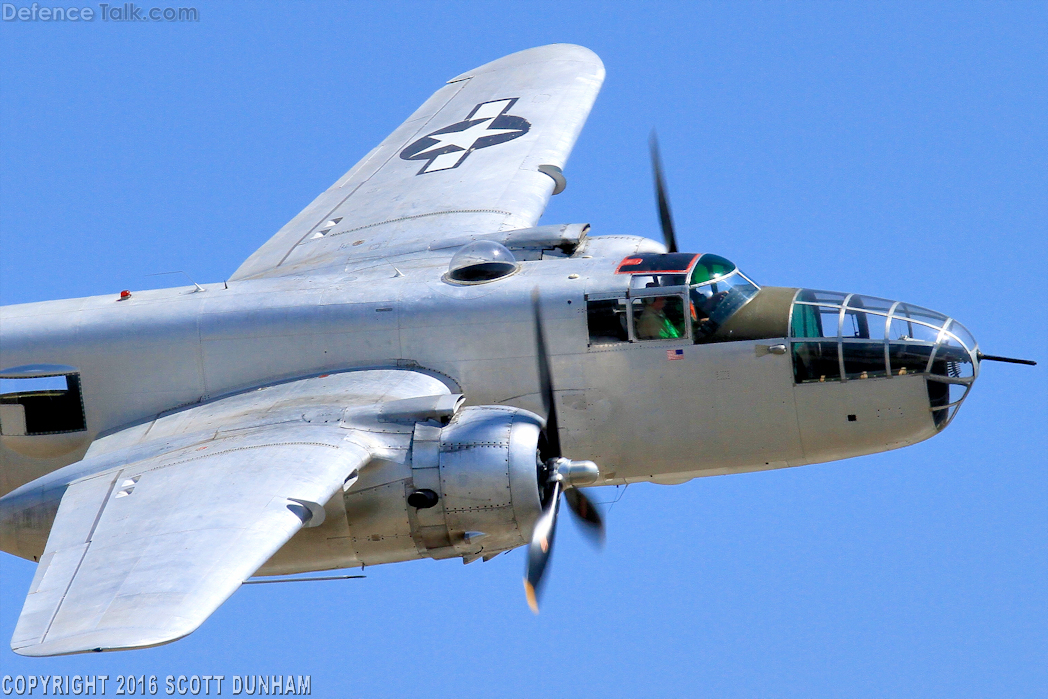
[[849, 337]]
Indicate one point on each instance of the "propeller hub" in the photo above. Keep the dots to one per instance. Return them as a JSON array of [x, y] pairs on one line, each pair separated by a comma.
[[575, 473]]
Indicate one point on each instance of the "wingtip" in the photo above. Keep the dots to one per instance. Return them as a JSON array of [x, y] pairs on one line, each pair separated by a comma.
[[541, 54]]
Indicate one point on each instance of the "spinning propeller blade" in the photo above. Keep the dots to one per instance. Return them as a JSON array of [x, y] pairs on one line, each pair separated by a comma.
[[549, 403], [559, 475], [665, 219], [587, 515]]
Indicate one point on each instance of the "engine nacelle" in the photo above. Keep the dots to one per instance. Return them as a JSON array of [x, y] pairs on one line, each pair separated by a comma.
[[482, 469], [467, 489]]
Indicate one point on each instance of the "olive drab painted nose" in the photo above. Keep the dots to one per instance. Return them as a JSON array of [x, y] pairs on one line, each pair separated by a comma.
[[837, 337]]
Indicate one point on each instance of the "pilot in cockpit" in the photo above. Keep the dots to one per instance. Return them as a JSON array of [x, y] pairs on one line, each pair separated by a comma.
[[653, 323], [703, 300]]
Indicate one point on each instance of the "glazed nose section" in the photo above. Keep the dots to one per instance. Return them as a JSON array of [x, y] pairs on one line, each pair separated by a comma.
[[863, 337], [952, 370]]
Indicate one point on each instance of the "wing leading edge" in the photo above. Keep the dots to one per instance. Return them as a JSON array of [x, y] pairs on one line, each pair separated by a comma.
[[467, 161]]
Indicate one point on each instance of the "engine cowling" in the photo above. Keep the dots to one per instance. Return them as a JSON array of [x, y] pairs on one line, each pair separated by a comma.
[[467, 489], [483, 469]]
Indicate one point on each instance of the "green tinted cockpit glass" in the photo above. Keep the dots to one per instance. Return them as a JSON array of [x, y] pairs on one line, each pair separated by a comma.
[[710, 267]]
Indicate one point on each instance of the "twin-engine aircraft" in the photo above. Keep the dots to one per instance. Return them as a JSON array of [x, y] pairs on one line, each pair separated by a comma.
[[413, 368]]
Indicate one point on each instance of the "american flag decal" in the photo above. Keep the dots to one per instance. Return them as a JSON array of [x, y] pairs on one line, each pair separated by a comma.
[[675, 354]]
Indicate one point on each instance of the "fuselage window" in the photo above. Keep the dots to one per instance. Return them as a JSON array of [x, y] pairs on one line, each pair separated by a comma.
[[41, 405], [606, 319], [850, 337], [864, 360], [659, 318], [805, 322], [862, 324], [816, 361], [815, 321], [909, 357]]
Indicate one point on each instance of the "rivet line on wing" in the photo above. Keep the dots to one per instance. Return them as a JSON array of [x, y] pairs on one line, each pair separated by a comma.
[[409, 218]]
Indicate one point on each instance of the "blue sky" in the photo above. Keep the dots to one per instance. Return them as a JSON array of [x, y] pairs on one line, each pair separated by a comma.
[[897, 150]]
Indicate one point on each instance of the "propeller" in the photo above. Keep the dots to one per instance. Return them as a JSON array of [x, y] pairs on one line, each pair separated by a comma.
[[557, 476], [665, 219]]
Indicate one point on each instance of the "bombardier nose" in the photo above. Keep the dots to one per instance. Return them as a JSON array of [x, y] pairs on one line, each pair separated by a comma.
[[863, 337], [953, 368]]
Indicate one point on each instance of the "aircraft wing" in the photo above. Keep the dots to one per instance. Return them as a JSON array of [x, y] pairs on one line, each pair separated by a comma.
[[182, 510], [481, 155]]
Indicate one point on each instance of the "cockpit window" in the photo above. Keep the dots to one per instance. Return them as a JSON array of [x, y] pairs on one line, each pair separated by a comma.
[[659, 318], [696, 292], [710, 267], [713, 302], [647, 281]]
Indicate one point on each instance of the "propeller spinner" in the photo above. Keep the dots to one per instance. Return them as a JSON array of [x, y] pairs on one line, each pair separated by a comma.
[[558, 475]]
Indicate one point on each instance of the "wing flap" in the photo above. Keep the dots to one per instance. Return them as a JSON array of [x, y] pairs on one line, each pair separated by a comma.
[[143, 558]]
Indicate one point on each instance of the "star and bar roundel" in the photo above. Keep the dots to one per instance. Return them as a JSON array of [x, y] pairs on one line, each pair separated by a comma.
[[488, 124]]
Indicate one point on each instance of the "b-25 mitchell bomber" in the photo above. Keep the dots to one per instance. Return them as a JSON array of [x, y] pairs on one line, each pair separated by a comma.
[[414, 368]]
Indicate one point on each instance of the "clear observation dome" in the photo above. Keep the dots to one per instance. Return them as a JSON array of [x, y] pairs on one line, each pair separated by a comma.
[[481, 261]]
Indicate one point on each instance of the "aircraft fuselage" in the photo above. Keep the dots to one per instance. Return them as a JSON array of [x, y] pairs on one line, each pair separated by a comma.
[[642, 410]]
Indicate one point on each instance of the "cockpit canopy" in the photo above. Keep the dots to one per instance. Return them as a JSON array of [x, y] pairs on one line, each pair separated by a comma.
[[673, 296], [717, 290], [710, 268]]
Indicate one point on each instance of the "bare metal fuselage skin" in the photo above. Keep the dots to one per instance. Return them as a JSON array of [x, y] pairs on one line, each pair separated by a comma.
[[723, 407], [713, 409]]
